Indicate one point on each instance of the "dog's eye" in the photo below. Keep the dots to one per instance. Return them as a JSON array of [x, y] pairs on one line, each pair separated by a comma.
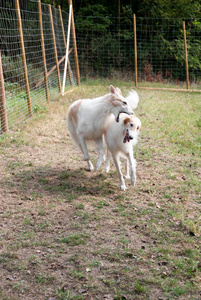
[[138, 128], [124, 103], [131, 125]]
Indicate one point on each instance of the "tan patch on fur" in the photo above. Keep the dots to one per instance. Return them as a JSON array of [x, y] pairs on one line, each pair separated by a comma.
[[133, 119], [74, 112], [116, 102], [127, 120]]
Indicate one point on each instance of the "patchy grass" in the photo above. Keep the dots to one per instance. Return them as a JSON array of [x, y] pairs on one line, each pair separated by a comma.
[[67, 233]]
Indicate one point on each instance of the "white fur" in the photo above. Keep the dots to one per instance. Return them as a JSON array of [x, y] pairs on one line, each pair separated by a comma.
[[86, 120], [114, 137], [132, 99]]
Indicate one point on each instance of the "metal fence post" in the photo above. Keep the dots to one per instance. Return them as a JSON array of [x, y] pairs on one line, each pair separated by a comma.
[[75, 44], [64, 39]]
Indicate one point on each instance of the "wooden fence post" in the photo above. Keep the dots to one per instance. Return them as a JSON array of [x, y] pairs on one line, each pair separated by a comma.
[[135, 48], [186, 55], [64, 39], [23, 57], [43, 50], [55, 47], [74, 44], [3, 111]]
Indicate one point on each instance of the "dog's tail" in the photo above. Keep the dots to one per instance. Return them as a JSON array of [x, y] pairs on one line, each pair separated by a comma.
[[133, 99], [72, 128]]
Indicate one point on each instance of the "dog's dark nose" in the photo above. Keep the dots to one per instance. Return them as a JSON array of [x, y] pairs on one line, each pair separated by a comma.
[[130, 137]]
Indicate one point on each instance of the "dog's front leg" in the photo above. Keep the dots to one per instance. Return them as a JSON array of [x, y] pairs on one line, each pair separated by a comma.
[[121, 178], [86, 157], [100, 147], [127, 176], [133, 164], [107, 164]]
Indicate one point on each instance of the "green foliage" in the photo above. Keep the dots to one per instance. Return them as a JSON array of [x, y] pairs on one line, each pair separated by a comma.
[[159, 38], [168, 9], [13, 70], [87, 18]]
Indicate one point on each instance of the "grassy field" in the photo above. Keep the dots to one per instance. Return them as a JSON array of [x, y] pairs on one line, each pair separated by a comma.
[[67, 233]]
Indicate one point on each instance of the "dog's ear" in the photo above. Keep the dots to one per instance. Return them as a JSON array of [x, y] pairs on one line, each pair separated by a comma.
[[112, 90], [119, 91], [126, 121], [137, 123]]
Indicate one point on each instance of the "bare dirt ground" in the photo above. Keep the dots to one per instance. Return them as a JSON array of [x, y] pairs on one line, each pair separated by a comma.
[[67, 233]]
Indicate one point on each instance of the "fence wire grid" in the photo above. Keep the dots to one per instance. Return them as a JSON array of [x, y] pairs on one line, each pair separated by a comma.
[[12, 63], [105, 51]]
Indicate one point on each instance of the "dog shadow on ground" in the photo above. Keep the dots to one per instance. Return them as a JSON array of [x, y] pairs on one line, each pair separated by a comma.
[[59, 182]]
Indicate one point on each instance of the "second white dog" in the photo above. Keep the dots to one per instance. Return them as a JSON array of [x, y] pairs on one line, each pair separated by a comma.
[[120, 138]]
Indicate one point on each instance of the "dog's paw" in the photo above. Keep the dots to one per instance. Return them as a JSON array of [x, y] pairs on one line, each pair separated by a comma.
[[91, 168], [133, 182], [107, 169], [123, 187], [90, 165]]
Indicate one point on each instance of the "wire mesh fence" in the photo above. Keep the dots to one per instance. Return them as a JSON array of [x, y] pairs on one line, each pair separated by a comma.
[[148, 52], [13, 81], [107, 51], [161, 52], [104, 50]]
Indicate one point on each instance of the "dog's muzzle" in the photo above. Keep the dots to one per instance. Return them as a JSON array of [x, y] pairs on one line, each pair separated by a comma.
[[127, 137]]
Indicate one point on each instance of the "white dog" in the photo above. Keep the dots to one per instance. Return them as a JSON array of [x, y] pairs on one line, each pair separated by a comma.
[[120, 138], [86, 120]]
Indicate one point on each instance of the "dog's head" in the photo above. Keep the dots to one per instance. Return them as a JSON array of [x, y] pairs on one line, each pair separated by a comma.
[[119, 103], [132, 125]]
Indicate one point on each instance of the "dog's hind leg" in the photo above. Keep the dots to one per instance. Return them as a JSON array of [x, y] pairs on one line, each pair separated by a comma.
[[86, 157], [100, 147], [121, 178]]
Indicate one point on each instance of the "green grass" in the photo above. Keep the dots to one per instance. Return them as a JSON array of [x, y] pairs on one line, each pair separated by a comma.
[[72, 234], [75, 239]]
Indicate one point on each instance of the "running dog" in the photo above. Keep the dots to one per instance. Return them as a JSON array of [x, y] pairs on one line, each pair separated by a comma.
[[86, 120], [120, 138]]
